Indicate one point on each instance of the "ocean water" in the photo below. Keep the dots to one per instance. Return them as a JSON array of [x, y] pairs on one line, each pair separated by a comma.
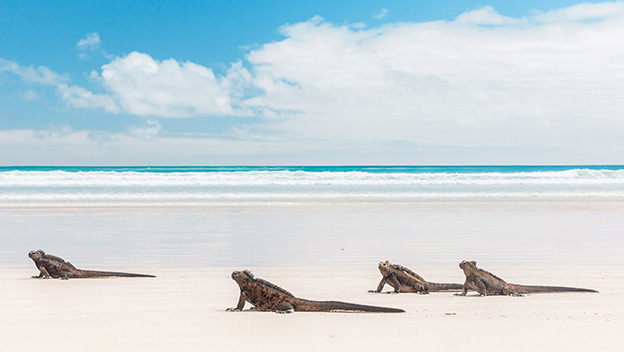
[[119, 186], [159, 217]]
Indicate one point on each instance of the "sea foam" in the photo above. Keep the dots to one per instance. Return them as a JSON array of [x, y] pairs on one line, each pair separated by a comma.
[[253, 185], [251, 178]]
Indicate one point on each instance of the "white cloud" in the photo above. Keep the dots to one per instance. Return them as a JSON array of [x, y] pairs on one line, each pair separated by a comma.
[[29, 74], [447, 83], [584, 12], [53, 132], [138, 84], [381, 14], [98, 147], [484, 16], [102, 138], [29, 95], [91, 43], [150, 130], [79, 97]]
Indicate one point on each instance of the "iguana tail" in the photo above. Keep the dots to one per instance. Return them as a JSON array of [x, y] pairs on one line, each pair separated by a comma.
[[547, 289], [95, 273], [335, 306], [439, 287]]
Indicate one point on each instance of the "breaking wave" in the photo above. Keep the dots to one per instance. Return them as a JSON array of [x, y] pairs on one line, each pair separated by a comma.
[[118, 186], [302, 178]]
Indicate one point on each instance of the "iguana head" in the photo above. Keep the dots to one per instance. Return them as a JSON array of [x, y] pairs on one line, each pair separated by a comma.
[[384, 267], [241, 276], [465, 264], [36, 255]]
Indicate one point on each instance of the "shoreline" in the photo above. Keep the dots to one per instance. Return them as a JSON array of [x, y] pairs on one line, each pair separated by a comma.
[[354, 201], [342, 235], [12, 206]]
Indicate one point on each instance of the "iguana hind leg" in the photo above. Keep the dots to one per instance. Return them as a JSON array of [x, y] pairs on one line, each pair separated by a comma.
[[480, 287], [256, 309], [509, 292], [284, 308], [420, 288]]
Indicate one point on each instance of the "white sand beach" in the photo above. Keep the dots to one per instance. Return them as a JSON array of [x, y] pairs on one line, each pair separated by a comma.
[[184, 310]]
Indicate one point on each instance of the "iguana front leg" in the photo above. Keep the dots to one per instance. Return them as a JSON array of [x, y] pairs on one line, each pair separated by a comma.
[[464, 290], [380, 287], [43, 273], [241, 303]]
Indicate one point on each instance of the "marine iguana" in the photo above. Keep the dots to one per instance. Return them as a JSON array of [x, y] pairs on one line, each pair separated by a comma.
[[403, 279], [266, 296], [488, 284], [53, 266]]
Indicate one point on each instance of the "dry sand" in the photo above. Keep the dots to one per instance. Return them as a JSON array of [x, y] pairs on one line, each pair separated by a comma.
[[184, 310]]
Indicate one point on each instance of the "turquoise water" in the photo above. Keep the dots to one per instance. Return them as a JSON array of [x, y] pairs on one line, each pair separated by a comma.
[[368, 169], [119, 186]]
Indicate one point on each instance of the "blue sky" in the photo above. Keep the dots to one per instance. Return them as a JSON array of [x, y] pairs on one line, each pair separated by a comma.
[[324, 82]]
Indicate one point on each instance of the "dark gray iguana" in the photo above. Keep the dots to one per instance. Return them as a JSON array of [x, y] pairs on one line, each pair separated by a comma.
[[53, 266], [403, 279], [266, 296], [488, 284]]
